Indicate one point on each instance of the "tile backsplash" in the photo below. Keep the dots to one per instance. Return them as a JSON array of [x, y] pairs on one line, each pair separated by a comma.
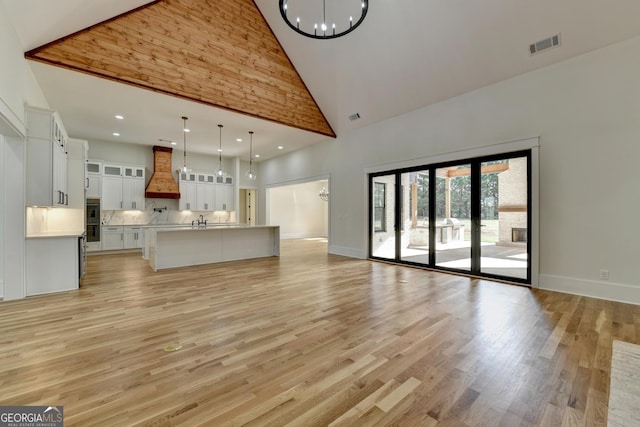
[[162, 211]]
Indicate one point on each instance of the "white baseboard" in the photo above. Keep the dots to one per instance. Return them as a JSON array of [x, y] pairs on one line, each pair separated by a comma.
[[303, 235], [349, 252], [591, 288]]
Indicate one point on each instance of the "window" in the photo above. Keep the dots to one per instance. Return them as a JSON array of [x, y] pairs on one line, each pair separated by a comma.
[[379, 207], [468, 215]]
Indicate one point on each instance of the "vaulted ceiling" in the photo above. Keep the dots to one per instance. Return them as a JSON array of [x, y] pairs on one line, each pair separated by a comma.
[[221, 54], [406, 55]]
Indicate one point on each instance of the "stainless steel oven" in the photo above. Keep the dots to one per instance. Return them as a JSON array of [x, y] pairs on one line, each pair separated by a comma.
[[93, 220]]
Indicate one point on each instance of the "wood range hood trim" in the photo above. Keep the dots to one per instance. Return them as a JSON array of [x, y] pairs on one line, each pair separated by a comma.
[[162, 184]]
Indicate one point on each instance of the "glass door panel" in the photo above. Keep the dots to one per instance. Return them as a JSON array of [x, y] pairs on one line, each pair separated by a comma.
[[383, 239], [453, 217], [504, 217], [415, 217]]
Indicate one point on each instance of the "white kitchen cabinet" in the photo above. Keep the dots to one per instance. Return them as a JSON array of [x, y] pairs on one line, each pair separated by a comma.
[[133, 193], [134, 172], [133, 237], [112, 237], [224, 197], [112, 170], [201, 191], [205, 192], [52, 264], [111, 193], [224, 180], [122, 187], [46, 159], [93, 179], [188, 192]]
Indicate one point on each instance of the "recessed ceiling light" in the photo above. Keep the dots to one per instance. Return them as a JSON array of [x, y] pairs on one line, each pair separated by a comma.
[[116, 134], [187, 130], [238, 139], [280, 147], [173, 143], [119, 117], [256, 156], [219, 150]]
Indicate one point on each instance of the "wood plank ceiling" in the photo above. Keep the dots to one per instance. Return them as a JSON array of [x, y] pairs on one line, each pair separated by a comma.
[[217, 52]]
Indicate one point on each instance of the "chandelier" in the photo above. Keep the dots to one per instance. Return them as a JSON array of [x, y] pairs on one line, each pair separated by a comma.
[[324, 194], [250, 174], [313, 19]]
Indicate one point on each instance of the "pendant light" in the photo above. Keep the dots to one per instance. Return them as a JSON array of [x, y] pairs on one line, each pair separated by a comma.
[[252, 176], [220, 173], [185, 169]]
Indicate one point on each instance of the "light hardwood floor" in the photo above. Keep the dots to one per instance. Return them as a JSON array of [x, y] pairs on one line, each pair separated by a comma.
[[309, 339]]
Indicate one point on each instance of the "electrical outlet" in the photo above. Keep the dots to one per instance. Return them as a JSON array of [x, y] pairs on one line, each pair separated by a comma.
[[604, 274]]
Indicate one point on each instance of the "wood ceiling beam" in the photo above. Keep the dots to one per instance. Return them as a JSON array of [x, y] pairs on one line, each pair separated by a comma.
[[218, 53]]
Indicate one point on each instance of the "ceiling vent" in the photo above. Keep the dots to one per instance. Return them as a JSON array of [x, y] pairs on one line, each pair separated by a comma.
[[545, 44], [355, 116]]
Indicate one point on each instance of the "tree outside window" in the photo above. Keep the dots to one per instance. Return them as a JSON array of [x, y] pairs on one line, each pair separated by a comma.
[[379, 206]]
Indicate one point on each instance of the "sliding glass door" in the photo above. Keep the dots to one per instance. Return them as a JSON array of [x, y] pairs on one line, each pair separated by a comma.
[[470, 216], [504, 217], [383, 223], [415, 217], [453, 217]]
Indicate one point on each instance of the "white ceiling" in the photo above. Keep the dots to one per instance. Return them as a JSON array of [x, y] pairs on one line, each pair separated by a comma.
[[406, 55]]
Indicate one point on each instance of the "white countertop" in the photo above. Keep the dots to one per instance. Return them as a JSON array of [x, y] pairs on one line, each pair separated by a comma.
[[208, 227], [56, 234]]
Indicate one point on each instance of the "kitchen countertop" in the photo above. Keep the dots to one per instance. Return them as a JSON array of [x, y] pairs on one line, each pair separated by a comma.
[[196, 227], [53, 234]]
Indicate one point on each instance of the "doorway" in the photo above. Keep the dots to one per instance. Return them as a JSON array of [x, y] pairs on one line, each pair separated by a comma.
[[300, 209], [247, 206]]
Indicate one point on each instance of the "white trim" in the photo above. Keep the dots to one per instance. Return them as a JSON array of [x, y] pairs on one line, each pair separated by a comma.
[[307, 235], [300, 181], [10, 123], [487, 150], [591, 288]]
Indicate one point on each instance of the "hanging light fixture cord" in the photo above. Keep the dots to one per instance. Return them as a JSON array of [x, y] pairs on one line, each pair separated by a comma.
[[220, 171], [184, 138]]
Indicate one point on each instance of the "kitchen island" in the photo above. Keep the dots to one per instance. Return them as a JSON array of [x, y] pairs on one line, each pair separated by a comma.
[[169, 247]]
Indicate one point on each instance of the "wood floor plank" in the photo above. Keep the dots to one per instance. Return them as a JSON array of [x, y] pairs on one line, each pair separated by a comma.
[[309, 339]]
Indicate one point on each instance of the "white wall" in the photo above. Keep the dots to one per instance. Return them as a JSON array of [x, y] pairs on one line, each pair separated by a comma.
[[298, 210], [17, 88], [2, 218], [586, 112]]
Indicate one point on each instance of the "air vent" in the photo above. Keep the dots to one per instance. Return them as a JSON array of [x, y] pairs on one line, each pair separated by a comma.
[[355, 116], [545, 44]]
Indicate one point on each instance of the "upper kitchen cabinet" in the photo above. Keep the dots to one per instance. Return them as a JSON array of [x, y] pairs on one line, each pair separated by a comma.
[[188, 191], [123, 187], [203, 191], [46, 159], [93, 179]]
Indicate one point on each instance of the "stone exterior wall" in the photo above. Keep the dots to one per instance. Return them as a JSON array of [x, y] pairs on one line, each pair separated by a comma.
[[512, 196]]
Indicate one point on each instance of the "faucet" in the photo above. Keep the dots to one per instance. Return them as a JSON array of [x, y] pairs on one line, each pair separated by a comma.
[[199, 221]]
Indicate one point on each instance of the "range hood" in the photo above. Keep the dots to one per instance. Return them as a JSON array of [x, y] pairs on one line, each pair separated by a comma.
[[162, 185]]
